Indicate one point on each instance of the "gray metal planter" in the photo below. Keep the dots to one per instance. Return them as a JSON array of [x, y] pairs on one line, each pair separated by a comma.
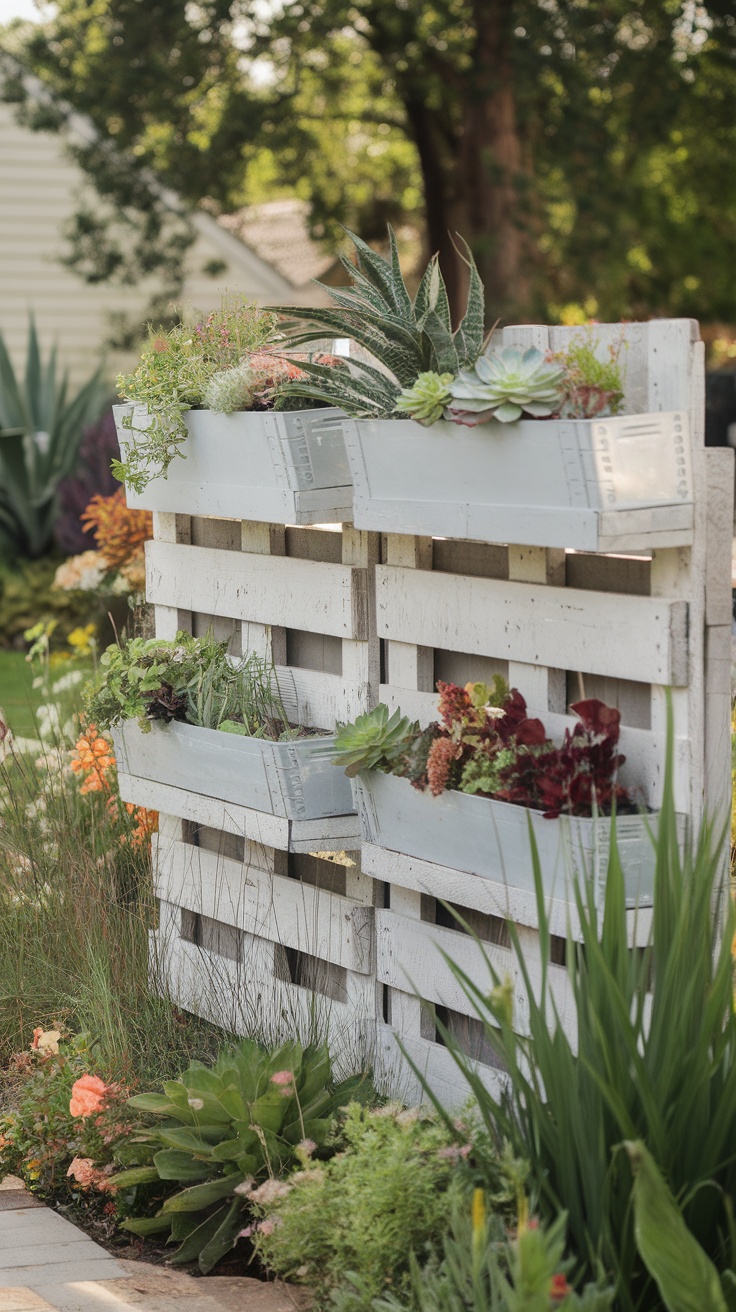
[[291, 779], [277, 468], [596, 485], [491, 839]]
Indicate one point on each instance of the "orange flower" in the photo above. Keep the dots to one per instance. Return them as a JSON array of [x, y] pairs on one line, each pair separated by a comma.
[[89, 1093], [119, 531], [92, 756], [89, 1176]]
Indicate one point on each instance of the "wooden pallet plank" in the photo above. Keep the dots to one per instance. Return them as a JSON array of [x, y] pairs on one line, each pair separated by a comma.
[[282, 591], [639, 638]]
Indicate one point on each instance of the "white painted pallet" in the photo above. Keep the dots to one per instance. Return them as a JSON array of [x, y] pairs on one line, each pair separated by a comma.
[[619, 484], [288, 468], [242, 943], [558, 624]]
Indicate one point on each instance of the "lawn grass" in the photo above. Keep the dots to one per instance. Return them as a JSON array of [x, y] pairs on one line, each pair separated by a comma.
[[18, 699]]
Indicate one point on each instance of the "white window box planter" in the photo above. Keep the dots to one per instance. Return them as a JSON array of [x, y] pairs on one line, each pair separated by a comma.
[[293, 780], [484, 837], [280, 468], [622, 484]]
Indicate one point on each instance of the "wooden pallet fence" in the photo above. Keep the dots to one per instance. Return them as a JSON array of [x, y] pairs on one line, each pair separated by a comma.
[[350, 618], [261, 941]]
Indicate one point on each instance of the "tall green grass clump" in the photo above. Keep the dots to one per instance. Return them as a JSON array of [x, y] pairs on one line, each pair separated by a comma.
[[76, 907], [655, 1060]]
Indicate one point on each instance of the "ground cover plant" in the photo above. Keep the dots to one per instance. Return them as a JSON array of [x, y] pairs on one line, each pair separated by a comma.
[[230, 360], [189, 679], [636, 1075], [424, 369], [484, 743]]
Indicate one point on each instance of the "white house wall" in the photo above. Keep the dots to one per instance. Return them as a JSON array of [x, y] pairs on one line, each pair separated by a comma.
[[39, 188]]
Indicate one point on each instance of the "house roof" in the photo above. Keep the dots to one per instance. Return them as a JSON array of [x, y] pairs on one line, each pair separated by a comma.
[[278, 232]]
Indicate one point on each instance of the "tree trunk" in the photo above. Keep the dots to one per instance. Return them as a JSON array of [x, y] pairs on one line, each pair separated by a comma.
[[476, 177]]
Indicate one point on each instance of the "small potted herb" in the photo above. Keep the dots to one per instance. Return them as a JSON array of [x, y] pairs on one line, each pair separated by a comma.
[[213, 393], [455, 435], [463, 792], [184, 714]]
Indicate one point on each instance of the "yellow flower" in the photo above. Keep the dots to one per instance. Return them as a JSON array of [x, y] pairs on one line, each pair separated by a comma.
[[81, 640]]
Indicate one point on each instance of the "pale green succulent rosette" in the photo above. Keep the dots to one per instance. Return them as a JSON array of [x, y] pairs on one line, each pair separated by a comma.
[[504, 385], [426, 399]]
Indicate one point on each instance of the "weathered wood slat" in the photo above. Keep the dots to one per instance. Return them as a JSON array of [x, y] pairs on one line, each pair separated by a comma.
[[409, 956], [340, 833], [299, 594], [323, 924], [640, 638]]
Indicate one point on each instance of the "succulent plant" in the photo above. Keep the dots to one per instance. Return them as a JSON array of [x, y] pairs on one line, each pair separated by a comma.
[[373, 740], [426, 400], [405, 337], [506, 384], [229, 390]]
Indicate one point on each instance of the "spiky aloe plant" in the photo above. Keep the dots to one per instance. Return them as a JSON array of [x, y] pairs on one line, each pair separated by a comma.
[[406, 338], [506, 384]]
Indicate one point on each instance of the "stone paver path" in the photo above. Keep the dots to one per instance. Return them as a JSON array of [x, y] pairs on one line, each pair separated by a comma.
[[48, 1265]]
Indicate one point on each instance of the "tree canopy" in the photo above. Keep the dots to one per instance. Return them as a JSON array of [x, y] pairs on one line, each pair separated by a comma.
[[583, 147]]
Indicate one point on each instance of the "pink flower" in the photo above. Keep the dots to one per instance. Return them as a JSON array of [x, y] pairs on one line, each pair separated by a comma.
[[284, 1081], [268, 1226], [246, 1234], [88, 1095]]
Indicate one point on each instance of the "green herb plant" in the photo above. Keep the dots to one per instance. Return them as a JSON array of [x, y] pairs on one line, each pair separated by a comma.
[[41, 429], [174, 371], [347, 1227], [190, 679], [247, 1118], [655, 1058]]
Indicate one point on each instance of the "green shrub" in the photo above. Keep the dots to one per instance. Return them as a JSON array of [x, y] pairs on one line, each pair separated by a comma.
[[253, 1114], [347, 1227], [663, 1073]]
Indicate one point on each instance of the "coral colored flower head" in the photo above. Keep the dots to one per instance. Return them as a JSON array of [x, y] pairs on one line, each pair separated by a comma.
[[559, 1289], [89, 1093]]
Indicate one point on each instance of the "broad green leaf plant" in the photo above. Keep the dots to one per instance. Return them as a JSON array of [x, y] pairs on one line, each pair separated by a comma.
[[221, 1129], [41, 427]]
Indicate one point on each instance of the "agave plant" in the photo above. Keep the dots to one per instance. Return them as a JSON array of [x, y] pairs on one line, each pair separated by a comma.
[[223, 1128], [405, 337], [41, 431], [372, 740], [506, 384]]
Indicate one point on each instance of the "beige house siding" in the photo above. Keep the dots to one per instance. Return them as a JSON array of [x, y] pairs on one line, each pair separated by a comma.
[[39, 186]]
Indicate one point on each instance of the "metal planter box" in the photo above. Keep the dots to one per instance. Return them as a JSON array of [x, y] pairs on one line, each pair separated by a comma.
[[285, 468], [292, 779], [595, 485], [491, 839]]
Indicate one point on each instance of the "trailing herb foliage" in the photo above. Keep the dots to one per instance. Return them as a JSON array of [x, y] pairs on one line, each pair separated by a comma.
[[248, 1118], [191, 679], [485, 743], [221, 363], [655, 1060]]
